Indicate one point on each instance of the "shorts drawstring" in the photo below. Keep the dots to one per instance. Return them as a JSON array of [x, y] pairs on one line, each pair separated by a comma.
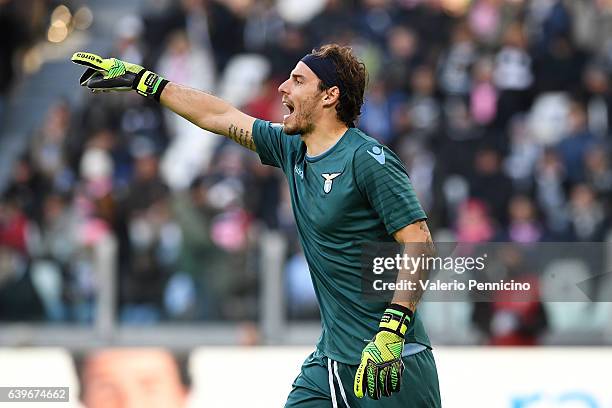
[[332, 389], [340, 384], [331, 373]]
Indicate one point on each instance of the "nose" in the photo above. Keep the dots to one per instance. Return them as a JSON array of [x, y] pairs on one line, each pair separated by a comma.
[[283, 87]]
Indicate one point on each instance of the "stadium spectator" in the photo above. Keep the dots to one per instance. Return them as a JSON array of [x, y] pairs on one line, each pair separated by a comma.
[[474, 223], [490, 184], [597, 99], [550, 192], [506, 321], [483, 94], [575, 144], [402, 55], [524, 225], [513, 74], [456, 62], [377, 115], [18, 299], [599, 174], [587, 219], [55, 254]]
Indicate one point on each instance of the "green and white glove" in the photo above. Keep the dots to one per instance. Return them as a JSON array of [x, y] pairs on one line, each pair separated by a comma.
[[112, 74], [380, 371]]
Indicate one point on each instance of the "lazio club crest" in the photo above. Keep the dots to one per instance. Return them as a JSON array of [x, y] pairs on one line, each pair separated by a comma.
[[329, 180]]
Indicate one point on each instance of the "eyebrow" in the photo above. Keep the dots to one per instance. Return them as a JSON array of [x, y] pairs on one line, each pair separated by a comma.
[[297, 76]]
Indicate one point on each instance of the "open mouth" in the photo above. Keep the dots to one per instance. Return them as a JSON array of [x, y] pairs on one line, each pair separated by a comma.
[[289, 107]]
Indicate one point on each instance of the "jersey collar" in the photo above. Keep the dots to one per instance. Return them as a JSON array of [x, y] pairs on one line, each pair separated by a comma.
[[312, 159]]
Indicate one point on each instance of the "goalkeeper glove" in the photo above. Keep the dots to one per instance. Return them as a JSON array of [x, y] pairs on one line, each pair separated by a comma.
[[380, 371], [112, 74]]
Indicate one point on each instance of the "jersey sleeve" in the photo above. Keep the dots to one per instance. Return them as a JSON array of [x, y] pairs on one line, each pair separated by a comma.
[[271, 143], [383, 180]]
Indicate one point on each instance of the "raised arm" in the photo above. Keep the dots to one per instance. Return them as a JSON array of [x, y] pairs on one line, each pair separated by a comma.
[[210, 113], [202, 109]]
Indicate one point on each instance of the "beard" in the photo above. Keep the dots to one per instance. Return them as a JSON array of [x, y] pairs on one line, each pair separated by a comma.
[[297, 128], [301, 121]]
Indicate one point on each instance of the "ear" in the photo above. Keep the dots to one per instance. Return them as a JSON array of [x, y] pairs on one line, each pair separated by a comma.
[[331, 96]]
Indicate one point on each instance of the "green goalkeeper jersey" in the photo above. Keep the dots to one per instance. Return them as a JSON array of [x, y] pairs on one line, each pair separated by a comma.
[[356, 192]]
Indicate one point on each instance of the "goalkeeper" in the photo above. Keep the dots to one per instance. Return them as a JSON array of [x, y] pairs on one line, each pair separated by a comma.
[[346, 190]]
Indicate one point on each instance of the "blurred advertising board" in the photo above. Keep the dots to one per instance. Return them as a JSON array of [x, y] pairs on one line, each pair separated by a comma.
[[262, 376]]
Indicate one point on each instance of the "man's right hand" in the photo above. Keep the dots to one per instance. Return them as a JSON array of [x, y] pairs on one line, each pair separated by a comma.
[[112, 74]]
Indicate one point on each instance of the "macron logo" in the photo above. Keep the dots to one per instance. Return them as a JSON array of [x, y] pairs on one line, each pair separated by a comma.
[[377, 153]]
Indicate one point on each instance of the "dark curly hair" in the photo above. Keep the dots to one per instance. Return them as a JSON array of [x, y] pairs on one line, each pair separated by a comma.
[[353, 75]]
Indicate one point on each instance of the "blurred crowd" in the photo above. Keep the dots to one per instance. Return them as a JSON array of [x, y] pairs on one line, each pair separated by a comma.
[[500, 109]]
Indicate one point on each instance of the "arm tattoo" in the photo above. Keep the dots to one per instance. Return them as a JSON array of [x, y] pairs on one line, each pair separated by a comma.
[[430, 247], [241, 136]]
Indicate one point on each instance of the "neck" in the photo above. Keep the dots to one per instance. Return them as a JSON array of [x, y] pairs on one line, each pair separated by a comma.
[[323, 136]]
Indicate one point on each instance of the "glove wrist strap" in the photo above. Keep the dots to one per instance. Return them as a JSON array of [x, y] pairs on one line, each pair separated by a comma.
[[160, 88], [149, 84], [396, 319]]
